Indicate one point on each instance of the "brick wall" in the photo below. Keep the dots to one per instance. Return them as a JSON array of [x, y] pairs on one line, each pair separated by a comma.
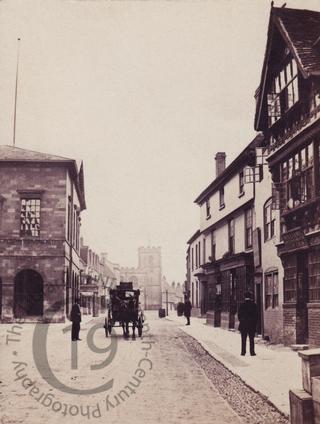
[[273, 324], [289, 324], [46, 254], [50, 179]]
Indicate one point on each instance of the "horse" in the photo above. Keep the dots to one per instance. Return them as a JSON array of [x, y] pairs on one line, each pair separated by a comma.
[[128, 313]]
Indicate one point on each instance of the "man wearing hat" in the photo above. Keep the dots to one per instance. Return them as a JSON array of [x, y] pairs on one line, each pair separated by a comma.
[[248, 318], [75, 317]]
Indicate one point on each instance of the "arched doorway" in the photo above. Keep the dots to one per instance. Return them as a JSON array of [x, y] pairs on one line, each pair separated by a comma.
[[28, 294]]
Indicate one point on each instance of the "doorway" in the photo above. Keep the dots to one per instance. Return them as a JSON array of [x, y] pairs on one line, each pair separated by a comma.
[[258, 300], [28, 294], [204, 298], [232, 299]]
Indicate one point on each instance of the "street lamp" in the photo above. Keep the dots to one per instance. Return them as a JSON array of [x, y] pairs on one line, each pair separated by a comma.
[[167, 302]]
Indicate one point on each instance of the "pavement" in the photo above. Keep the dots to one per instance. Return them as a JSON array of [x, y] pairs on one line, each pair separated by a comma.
[[273, 372]]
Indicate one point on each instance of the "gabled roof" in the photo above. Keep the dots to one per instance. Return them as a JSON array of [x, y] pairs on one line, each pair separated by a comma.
[[243, 158], [17, 154], [300, 30]]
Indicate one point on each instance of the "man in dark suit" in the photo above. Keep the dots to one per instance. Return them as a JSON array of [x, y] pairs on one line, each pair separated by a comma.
[[248, 318], [187, 310], [75, 317]]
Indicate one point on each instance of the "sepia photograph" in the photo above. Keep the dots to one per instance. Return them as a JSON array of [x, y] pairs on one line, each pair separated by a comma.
[[160, 211]]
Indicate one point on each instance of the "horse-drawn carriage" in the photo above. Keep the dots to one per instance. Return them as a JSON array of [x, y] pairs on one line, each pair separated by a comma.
[[124, 310]]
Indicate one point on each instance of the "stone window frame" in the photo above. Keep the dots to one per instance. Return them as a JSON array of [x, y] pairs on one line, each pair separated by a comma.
[[30, 194]]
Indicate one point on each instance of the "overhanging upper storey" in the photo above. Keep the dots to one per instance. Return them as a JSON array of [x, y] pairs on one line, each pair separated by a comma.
[[290, 78]]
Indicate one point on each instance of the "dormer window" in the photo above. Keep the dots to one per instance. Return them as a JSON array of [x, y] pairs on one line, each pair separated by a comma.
[[284, 92]]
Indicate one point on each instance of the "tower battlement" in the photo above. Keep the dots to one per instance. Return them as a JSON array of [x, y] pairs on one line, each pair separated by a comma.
[[152, 249]]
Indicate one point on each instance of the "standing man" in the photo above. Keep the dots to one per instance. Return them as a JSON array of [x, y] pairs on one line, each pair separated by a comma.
[[75, 317], [187, 310], [248, 317]]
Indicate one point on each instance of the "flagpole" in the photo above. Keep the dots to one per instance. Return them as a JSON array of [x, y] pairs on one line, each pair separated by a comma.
[[16, 95]]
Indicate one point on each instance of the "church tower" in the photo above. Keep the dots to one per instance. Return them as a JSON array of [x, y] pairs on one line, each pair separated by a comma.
[[150, 266]]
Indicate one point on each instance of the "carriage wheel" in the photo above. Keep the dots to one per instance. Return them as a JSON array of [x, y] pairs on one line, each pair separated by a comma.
[[140, 325], [110, 328]]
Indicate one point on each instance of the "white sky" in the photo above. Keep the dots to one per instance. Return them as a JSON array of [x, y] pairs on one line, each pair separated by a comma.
[[145, 92]]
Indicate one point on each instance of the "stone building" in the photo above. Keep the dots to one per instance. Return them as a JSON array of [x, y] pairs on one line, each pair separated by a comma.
[[41, 199], [147, 276], [288, 114]]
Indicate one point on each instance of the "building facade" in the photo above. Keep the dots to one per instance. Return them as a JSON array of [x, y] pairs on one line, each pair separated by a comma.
[[224, 248], [42, 197], [268, 270], [172, 294], [93, 284], [288, 112], [193, 265], [147, 276]]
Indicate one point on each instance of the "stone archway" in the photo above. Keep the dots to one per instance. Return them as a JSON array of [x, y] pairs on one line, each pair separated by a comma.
[[28, 294]]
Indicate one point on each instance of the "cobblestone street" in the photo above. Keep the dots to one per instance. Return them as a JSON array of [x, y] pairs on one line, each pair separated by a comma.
[[161, 378]]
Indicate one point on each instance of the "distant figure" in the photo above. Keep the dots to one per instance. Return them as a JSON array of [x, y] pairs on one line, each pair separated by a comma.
[[141, 312], [187, 310], [75, 317], [248, 317]]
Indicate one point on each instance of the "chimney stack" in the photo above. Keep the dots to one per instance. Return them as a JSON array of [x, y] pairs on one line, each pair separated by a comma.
[[220, 163]]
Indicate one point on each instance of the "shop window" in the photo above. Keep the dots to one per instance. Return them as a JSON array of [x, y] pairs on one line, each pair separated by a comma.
[[290, 279], [271, 290], [314, 276], [269, 220], [30, 217], [248, 228]]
